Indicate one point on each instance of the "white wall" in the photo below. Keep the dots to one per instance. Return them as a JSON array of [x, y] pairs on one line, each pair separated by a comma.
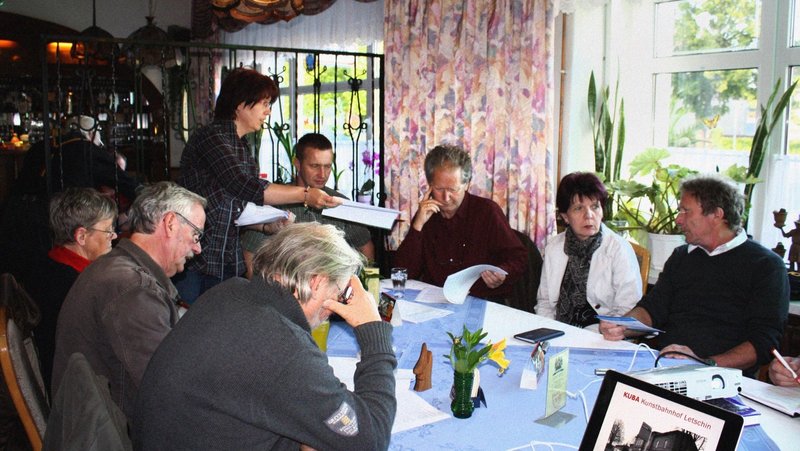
[[118, 17]]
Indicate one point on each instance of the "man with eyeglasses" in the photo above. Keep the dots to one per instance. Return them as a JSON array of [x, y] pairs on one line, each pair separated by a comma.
[[122, 306], [313, 161], [242, 371], [453, 230], [722, 298]]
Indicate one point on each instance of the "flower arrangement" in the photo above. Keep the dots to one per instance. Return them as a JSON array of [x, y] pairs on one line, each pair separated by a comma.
[[371, 163], [467, 353]]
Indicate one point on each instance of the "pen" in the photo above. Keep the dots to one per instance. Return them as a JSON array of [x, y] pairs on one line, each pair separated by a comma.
[[785, 365]]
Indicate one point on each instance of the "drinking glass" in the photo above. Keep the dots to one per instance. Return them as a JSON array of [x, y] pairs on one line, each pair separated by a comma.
[[320, 335], [399, 277]]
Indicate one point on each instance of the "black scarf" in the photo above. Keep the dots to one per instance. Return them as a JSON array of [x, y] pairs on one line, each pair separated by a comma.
[[572, 306]]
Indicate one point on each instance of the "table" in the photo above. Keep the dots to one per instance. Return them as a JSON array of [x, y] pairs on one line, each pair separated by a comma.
[[508, 422]]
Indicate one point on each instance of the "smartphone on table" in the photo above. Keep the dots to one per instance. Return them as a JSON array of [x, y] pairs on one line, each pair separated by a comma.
[[538, 335]]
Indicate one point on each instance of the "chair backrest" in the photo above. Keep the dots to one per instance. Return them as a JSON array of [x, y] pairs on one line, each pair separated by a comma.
[[643, 255], [84, 417], [524, 294], [23, 379]]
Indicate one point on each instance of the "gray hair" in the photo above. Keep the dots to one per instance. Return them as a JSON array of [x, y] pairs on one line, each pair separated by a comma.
[[300, 251], [156, 200], [449, 157], [78, 207], [712, 192]]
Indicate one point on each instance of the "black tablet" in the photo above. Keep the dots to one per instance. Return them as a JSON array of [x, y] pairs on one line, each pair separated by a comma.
[[633, 414]]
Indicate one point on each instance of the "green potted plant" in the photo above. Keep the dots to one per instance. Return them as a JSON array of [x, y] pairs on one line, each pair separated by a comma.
[[466, 353], [364, 194], [608, 123], [652, 208], [748, 176]]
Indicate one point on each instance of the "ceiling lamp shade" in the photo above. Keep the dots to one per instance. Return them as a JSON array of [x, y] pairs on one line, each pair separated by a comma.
[[92, 49], [147, 54]]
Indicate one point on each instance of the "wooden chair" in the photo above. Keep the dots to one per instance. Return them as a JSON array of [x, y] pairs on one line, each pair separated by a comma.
[[643, 255], [23, 379]]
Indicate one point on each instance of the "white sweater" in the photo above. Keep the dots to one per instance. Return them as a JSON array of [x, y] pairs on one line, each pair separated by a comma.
[[614, 285]]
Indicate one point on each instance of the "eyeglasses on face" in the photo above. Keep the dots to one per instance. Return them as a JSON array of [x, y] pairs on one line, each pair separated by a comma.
[[198, 232], [111, 233]]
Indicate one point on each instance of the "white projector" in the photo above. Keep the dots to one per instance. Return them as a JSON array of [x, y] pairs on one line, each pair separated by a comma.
[[695, 381]]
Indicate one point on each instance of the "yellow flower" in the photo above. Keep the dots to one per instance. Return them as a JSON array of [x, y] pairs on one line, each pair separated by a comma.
[[497, 355]]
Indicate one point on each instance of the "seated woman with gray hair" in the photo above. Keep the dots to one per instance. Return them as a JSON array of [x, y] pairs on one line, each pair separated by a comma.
[[82, 226], [588, 269]]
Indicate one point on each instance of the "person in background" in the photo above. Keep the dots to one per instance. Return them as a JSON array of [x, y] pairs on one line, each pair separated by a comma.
[[722, 298], [779, 375], [246, 374], [121, 307], [588, 269], [313, 160], [82, 225], [453, 230], [218, 164]]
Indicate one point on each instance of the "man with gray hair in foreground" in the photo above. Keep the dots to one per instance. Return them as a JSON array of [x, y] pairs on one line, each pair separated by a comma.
[[722, 298], [122, 305], [241, 370]]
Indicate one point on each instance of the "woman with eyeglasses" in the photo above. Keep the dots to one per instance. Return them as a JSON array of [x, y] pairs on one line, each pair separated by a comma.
[[588, 269], [82, 226]]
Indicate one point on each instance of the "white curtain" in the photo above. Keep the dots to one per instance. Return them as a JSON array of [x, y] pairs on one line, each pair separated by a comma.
[[344, 26]]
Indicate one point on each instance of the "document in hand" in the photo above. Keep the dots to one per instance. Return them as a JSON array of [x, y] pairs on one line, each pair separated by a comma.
[[631, 323], [457, 285], [366, 214], [259, 214]]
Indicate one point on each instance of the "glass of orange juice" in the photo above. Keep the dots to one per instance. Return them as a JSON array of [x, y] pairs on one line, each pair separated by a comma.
[[320, 335]]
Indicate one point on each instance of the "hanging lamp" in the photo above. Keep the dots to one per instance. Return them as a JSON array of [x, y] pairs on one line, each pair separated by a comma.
[[147, 55], [91, 49]]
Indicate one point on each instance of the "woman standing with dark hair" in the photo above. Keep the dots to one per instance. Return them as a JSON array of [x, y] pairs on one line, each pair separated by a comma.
[[218, 164], [588, 269]]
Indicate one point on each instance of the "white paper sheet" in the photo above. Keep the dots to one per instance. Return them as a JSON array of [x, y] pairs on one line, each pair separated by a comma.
[[386, 284], [412, 410], [418, 313], [363, 214], [259, 214], [456, 287]]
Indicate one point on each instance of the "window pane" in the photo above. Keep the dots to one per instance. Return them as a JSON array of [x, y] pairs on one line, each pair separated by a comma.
[[796, 25], [793, 136], [709, 117], [703, 26]]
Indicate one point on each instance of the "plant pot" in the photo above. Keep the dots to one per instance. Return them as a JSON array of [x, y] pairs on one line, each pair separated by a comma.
[[661, 247], [461, 405], [364, 198]]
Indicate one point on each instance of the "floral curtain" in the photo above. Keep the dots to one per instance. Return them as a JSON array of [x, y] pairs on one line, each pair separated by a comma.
[[479, 75]]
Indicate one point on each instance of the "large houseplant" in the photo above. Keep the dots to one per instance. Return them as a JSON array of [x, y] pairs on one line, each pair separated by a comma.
[[607, 118], [652, 208], [749, 175]]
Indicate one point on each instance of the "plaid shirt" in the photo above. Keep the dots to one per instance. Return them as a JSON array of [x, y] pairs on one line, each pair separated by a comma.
[[218, 165]]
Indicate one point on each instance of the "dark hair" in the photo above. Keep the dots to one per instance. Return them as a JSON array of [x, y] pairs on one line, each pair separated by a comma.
[[243, 85], [712, 192], [78, 207], [447, 156], [582, 184], [311, 141]]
